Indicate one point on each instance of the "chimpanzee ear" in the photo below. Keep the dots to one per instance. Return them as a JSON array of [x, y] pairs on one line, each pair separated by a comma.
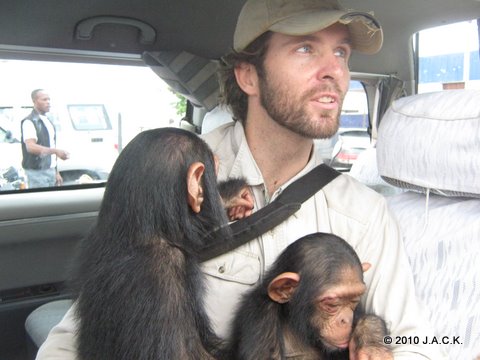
[[366, 266], [216, 159], [194, 185], [283, 286]]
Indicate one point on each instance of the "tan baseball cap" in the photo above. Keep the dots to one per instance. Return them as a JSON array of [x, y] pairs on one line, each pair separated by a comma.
[[303, 17]]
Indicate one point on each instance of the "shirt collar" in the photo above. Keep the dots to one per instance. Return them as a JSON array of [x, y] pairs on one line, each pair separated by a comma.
[[245, 166]]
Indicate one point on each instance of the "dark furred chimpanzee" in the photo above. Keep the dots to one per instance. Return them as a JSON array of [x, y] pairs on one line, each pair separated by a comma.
[[304, 308], [137, 283]]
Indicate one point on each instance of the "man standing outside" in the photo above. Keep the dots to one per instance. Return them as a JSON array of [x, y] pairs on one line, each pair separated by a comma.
[[38, 144]]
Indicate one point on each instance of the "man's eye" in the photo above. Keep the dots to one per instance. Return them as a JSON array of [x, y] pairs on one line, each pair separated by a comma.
[[341, 53], [305, 49]]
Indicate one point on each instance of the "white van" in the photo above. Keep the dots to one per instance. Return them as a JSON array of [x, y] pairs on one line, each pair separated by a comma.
[[85, 131]]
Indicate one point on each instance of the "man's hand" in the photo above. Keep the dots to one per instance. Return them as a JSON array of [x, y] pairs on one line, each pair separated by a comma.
[[58, 179], [62, 154]]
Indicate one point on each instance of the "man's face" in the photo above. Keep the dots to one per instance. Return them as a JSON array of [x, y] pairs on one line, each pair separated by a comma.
[[42, 102], [306, 79]]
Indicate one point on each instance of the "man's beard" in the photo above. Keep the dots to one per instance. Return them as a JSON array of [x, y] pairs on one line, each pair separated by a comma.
[[292, 112]]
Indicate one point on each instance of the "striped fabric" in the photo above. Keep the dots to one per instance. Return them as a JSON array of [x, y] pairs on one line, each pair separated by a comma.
[[432, 141], [443, 248], [429, 144]]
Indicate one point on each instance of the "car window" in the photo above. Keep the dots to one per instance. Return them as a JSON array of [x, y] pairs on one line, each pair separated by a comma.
[[3, 136], [95, 110], [89, 117], [449, 57], [342, 150]]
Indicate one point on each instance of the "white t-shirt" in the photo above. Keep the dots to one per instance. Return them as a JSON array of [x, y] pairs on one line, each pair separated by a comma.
[[29, 132]]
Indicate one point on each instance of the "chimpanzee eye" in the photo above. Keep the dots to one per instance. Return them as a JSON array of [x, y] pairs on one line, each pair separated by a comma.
[[354, 304], [331, 307]]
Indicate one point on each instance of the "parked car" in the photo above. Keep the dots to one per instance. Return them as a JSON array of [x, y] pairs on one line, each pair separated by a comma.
[[350, 143], [139, 56], [86, 132]]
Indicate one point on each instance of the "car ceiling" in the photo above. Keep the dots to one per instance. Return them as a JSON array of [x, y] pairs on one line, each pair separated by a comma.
[[203, 27]]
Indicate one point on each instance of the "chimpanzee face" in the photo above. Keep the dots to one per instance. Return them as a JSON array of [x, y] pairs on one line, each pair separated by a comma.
[[335, 308]]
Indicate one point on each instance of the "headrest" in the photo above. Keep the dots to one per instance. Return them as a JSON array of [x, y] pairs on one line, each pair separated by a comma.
[[432, 141]]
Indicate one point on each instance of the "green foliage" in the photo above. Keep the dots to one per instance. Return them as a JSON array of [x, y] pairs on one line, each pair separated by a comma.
[[181, 105]]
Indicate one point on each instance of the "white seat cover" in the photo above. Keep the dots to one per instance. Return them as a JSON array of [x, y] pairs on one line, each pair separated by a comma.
[[430, 143]]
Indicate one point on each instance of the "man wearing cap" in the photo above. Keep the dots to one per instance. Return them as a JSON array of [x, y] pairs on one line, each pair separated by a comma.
[[284, 84]]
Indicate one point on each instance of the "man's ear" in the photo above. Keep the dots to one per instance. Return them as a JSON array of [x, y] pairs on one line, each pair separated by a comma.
[[283, 286], [247, 78], [194, 186]]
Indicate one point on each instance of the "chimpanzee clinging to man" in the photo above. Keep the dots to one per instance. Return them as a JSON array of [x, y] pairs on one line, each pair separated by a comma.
[[137, 283], [306, 307]]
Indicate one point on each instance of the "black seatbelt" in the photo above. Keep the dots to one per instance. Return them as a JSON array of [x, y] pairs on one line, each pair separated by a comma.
[[261, 221]]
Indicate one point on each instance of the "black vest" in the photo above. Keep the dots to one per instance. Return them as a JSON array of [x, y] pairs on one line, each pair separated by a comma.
[[31, 161]]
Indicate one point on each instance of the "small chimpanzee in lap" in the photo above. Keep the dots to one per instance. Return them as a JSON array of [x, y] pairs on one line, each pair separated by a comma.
[[137, 282], [307, 305]]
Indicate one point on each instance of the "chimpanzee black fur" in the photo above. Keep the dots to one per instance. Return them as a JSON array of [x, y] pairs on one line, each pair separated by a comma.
[[138, 285], [261, 325]]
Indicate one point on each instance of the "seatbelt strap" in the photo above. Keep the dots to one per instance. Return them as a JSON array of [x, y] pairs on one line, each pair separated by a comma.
[[265, 219]]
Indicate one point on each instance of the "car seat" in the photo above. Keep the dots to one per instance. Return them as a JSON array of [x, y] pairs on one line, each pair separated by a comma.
[[41, 320], [429, 145]]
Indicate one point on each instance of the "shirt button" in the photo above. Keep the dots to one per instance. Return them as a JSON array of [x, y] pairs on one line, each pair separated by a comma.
[[221, 269]]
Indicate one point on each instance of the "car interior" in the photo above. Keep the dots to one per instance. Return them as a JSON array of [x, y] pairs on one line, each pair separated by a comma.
[[424, 152]]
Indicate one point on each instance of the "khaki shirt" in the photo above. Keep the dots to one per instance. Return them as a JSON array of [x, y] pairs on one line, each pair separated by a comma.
[[344, 207]]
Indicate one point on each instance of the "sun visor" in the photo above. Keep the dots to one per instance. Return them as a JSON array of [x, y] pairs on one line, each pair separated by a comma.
[[190, 75]]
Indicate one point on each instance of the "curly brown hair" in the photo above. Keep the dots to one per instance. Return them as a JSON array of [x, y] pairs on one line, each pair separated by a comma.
[[231, 94]]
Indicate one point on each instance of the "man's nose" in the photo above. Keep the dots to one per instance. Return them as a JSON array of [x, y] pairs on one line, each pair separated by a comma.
[[331, 67]]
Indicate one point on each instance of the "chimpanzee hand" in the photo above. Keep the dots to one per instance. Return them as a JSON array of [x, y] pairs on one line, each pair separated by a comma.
[[237, 198], [371, 353], [241, 205], [366, 342]]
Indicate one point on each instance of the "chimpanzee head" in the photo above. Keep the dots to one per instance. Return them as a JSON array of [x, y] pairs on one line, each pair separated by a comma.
[[319, 279]]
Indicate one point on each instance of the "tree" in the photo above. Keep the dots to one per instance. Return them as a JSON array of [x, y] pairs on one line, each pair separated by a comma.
[[181, 105]]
